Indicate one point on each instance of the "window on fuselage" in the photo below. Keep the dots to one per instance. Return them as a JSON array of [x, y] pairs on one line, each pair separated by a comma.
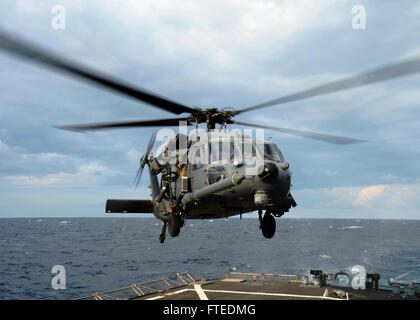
[[215, 174], [199, 157], [247, 150], [280, 154], [272, 153], [221, 151]]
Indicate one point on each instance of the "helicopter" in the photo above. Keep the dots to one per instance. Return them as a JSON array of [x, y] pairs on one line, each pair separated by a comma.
[[210, 174]]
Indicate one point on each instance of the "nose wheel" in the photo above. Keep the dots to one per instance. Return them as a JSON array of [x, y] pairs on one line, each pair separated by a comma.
[[267, 224]]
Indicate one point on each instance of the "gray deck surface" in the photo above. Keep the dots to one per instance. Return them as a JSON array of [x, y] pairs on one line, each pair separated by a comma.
[[263, 290]]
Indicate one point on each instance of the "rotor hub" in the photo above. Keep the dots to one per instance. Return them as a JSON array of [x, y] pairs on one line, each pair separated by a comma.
[[212, 116]]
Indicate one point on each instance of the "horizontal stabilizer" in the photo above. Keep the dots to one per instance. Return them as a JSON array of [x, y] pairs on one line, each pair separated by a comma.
[[128, 206]]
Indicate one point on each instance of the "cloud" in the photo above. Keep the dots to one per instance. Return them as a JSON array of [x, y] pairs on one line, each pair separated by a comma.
[[216, 54], [133, 155], [390, 177], [90, 174], [368, 195], [16, 159], [392, 196], [4, 148]]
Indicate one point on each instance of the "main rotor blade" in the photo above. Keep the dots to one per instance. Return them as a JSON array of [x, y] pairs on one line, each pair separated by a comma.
[[378, 75], [29, 51], [306, 134], [123, 124]]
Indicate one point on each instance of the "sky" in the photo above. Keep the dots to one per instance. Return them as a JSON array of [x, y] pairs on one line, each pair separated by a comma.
[[227, 53]]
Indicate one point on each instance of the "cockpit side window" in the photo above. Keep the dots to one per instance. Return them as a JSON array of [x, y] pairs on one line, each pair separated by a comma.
[[221, 152], [280, 154], [245, 151], [215, 174], [272, 153], [199, 157]]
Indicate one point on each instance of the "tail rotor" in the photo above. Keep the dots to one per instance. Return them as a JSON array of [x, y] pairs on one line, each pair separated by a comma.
[[144, 160]]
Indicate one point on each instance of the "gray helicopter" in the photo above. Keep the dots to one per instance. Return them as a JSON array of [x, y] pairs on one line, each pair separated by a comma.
[[215, 175], [212, 174]]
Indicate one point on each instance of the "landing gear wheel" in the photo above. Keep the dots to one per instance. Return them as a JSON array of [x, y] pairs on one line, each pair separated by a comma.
[[268, 226], [174, 224]]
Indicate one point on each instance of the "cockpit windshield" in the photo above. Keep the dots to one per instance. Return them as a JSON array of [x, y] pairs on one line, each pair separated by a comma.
[[244, 151], [247, 150], [221, 152], [228, 151]]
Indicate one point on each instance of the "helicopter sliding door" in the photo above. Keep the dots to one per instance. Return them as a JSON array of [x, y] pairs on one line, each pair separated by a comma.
[[221, 153]]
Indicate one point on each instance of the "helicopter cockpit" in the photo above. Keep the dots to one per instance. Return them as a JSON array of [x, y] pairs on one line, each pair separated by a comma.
[[214, 156], [222, 153]]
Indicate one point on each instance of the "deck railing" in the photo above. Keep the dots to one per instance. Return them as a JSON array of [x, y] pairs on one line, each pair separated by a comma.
[[143, 288], [262, 276]]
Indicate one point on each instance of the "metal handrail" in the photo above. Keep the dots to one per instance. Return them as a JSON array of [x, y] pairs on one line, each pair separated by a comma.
[[181, 277], [142, 288], [261, 276]]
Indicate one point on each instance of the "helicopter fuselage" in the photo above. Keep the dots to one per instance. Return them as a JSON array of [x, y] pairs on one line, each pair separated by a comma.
[[265, 183], [241, 199]]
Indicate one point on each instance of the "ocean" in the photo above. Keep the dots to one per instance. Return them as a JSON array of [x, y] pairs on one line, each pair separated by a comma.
[[101, 254]]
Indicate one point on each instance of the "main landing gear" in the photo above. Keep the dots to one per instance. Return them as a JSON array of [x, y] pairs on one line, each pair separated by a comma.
[[267, 224], [163, 233], [174, 225]]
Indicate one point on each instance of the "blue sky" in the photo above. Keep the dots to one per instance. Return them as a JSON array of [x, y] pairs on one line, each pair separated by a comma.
[[212, 54]]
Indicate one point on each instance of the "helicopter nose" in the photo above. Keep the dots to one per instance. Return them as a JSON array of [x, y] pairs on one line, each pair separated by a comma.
[[269, 171]]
